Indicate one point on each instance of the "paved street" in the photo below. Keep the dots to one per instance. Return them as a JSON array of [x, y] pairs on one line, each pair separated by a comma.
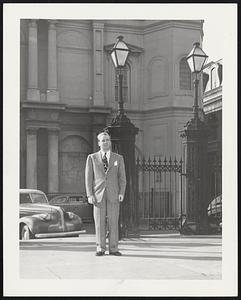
[[151, 256]]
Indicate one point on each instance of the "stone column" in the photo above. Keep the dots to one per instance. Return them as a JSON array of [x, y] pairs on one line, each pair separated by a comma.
[[33, 93], [31, 159], [52, 92], [53, 161], [98, 74]]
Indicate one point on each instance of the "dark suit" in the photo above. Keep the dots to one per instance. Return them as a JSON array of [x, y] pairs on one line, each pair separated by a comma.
[[106, 187]]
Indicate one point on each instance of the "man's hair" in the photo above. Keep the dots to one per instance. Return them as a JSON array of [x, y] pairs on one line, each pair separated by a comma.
[[102, 133]]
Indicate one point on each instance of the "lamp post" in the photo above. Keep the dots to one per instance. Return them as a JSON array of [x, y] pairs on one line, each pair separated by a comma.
[[122, 133], [195, 151], [196, 60], [119, 55]]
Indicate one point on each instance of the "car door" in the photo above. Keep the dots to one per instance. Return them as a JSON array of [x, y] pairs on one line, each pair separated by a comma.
[[80, 206]]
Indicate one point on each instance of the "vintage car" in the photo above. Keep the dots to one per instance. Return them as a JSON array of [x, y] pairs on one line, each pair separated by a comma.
[[76, 203], [39, 219], [214, 219], [215, 213], [215, 208]]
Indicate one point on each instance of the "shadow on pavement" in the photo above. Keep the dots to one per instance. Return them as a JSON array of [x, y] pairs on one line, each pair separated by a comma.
[[49, 242], [172, 250], [176, 257], [60, 248], [169, 244], [178, 236]]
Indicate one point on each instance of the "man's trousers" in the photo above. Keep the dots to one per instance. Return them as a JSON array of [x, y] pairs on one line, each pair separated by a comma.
[[111, 210]]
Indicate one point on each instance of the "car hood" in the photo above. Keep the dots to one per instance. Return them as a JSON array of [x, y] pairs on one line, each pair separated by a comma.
[[35, 208]]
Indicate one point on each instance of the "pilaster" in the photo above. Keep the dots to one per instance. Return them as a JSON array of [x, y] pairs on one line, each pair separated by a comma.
[[53, 160], [33, 93], [52, 92], [98, 70], [31, 158]]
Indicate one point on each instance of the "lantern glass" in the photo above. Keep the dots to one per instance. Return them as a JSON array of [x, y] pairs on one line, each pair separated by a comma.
[[113, 56], [119, 53], [196, 58]]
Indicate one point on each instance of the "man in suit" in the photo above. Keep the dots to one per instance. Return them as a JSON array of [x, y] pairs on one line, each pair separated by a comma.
[[105, 182]]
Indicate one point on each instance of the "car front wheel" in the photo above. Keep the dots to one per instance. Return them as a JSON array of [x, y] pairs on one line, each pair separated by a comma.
[[26, 233]]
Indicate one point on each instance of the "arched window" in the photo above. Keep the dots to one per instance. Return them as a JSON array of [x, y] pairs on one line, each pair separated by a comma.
[[213, 79], [185, 75], [126, 84]]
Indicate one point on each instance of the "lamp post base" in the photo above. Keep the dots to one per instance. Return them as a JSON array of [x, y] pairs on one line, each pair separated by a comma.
[[122, 133], [200, 227]]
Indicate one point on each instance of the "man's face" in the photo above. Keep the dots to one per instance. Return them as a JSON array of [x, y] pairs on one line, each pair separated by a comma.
[[104, 142]]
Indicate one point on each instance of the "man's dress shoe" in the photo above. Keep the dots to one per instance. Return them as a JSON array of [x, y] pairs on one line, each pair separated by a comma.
[[117, 253], [100, 253]]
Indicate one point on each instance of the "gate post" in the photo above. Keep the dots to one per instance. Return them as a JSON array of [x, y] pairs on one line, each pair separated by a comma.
[[122, 133], [195, 168]]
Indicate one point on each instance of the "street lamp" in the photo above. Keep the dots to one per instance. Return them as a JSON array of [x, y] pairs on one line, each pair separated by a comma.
[[123, 133], [196, 60], [195, 152], [119, 54]]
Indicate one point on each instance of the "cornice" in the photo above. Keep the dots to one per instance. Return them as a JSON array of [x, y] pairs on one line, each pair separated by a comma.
[[74, 49], [105, 110], [72, 24], [212, 92], [213, 105], [155, 25], [161, 25], [168, 111], [42, 105], [35, 125], [100, 109]]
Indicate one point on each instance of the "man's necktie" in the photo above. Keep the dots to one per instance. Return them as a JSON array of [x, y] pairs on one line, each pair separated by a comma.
[[105, 162]]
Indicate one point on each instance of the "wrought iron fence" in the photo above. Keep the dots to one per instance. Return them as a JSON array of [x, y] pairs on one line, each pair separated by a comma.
[[160, 193]]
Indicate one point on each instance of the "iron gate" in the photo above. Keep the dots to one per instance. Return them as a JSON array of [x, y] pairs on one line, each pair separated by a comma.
[[160, 193]]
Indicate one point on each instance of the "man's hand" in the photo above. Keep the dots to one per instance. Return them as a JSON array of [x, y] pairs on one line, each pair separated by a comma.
[[121, 198], [92, 200]]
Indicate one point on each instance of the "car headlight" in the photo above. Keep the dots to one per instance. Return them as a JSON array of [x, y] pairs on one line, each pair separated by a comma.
[[70, 215], [46, 217]]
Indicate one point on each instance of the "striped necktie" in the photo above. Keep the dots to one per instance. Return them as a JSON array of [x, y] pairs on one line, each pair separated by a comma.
[[105, 162]]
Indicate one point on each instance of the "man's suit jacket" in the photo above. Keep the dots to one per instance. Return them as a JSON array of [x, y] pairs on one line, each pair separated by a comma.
[[97, 181]]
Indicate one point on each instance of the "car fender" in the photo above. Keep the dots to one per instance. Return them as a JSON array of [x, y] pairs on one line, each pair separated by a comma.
[[32, 222], [29, 221]]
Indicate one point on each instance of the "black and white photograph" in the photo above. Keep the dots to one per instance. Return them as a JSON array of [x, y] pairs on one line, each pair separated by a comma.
[[120, 149]]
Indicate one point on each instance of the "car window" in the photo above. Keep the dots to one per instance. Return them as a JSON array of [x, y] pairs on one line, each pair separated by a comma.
[[25, 198], [76, 199], [39, 198], [60, 200]]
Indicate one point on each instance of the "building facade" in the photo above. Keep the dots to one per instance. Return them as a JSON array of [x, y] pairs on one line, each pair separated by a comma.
[[212, 107], [68, 92]]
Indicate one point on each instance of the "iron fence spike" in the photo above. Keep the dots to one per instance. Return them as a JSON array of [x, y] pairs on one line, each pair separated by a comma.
[[143, 162]]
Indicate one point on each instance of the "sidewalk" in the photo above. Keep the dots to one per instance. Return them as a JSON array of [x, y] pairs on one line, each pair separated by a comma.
[[151, 256]]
